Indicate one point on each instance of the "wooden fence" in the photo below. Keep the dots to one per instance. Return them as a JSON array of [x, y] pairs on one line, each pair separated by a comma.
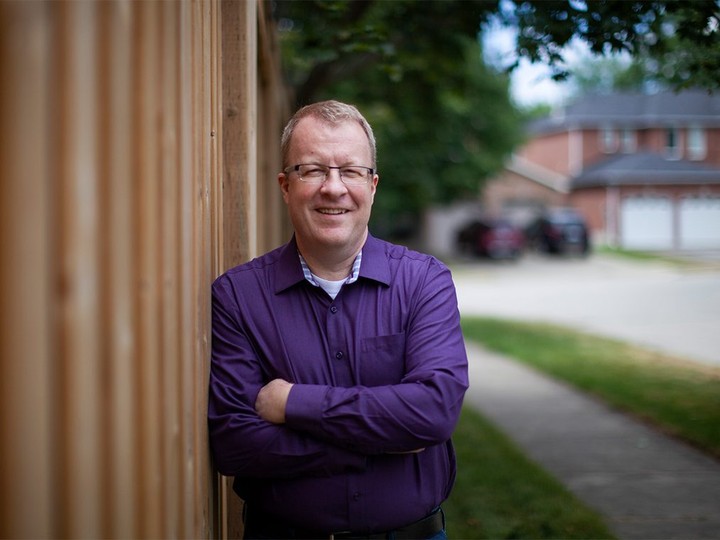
[[138, 160]]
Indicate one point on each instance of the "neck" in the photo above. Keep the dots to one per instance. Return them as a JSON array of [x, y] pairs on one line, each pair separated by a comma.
[[330, 268], [332, 265]]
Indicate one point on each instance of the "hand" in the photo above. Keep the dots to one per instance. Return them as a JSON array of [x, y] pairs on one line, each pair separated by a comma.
[[272, 399]]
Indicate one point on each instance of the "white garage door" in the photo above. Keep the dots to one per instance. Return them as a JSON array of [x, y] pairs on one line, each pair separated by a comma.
[[646, 223], [700, 223]]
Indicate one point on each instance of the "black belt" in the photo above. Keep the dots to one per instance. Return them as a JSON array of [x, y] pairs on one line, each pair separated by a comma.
[[265, 527], [427, 527]]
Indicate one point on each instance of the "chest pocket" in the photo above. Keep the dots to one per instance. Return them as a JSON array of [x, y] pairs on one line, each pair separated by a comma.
[[382, 360]]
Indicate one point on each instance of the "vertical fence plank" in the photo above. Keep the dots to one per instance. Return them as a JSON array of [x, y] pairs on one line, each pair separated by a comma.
[[195, 521], [146, 152], [118, 352], [273, 110], [239, 34], [169, 238], [205, 243], [25, 209], [76, 287]]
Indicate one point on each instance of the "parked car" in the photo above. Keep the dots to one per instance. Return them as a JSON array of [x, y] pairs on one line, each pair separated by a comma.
[[559, 231], [493, 238]]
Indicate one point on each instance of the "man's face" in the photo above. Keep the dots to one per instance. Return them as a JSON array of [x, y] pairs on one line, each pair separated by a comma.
[[329, 215]]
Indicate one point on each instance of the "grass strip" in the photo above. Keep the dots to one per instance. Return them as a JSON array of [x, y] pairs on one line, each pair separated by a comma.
[[675, 260], [635, 255], [678, 396], [500, 493]]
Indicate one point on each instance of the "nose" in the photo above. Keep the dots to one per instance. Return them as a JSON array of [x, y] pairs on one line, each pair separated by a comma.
[[333, 182]]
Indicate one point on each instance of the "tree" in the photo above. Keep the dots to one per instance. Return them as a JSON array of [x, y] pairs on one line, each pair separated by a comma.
[[682, 36], [327, 41], [608, 74], [444, 121], [334, 39]]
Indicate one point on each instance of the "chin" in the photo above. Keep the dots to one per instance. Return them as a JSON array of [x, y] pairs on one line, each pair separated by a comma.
[[333, 241], [336, 239]]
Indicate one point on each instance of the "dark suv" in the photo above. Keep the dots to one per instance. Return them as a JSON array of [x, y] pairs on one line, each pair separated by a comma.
[[492, 238], [562, 230]]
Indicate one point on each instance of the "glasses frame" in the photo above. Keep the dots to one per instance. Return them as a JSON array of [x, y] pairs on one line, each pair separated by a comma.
[[296, 168]]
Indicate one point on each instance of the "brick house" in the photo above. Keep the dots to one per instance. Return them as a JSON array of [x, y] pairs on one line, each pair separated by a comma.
[[644, 170]]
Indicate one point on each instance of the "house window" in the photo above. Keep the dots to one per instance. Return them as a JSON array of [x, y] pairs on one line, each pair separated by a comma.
[[608, 140], [696, 143], [628, 140], [673, 150]]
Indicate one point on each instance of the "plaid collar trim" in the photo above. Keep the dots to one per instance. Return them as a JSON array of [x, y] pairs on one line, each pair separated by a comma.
[[352, 278]]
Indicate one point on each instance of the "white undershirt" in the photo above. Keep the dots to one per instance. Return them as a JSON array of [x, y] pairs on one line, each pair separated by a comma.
[[330, 287]]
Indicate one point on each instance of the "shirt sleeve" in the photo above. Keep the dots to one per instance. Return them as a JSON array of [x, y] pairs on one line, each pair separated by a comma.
[[242, 443], [423, 409]]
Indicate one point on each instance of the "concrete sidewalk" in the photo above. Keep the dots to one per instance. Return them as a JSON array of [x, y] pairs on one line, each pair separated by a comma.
[[648, 486]]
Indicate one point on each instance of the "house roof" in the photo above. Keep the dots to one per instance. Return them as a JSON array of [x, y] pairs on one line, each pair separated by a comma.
[[537, 173], [635, 110], [645, 168]]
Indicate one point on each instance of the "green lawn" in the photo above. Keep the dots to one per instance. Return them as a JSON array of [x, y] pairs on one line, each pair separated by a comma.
[[500, 493], [680, 397]]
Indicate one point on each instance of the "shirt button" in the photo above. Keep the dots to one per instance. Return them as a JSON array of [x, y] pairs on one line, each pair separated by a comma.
[[339, 355], [333, 309]]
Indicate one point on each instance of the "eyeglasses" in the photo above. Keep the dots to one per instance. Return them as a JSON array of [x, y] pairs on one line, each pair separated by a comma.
[[315, 173]]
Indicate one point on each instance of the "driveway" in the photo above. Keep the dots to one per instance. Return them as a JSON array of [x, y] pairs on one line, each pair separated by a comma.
[[653, 304]]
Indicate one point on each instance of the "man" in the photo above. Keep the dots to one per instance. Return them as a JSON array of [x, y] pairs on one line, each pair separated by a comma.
[[338, 364]]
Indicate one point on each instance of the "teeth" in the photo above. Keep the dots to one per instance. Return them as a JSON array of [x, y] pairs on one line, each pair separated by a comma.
[[332, 211]]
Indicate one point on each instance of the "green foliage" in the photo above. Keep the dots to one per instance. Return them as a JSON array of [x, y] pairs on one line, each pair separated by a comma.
[[682, 38], [604, 75], [680, 397], [443, 121], [500, 493], [329, 41], [687, 51]]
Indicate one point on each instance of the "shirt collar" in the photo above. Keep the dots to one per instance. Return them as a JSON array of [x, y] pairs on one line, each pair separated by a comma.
[[352, 278], [288, 271], [372, 264], [375, 263]]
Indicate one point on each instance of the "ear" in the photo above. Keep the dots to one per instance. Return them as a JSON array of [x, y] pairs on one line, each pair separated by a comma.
[[373, 186], [284, 183]]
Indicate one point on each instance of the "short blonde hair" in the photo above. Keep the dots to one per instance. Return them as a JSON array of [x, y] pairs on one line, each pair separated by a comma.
[[333, 112]]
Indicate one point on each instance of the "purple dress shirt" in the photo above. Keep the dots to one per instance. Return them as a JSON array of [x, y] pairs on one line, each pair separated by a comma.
[[379, 372]]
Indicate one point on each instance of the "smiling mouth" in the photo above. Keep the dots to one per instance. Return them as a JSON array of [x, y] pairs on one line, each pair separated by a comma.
[[332, 211]]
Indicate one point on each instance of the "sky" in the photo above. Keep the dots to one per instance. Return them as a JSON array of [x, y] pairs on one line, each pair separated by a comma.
[[530, 84]]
